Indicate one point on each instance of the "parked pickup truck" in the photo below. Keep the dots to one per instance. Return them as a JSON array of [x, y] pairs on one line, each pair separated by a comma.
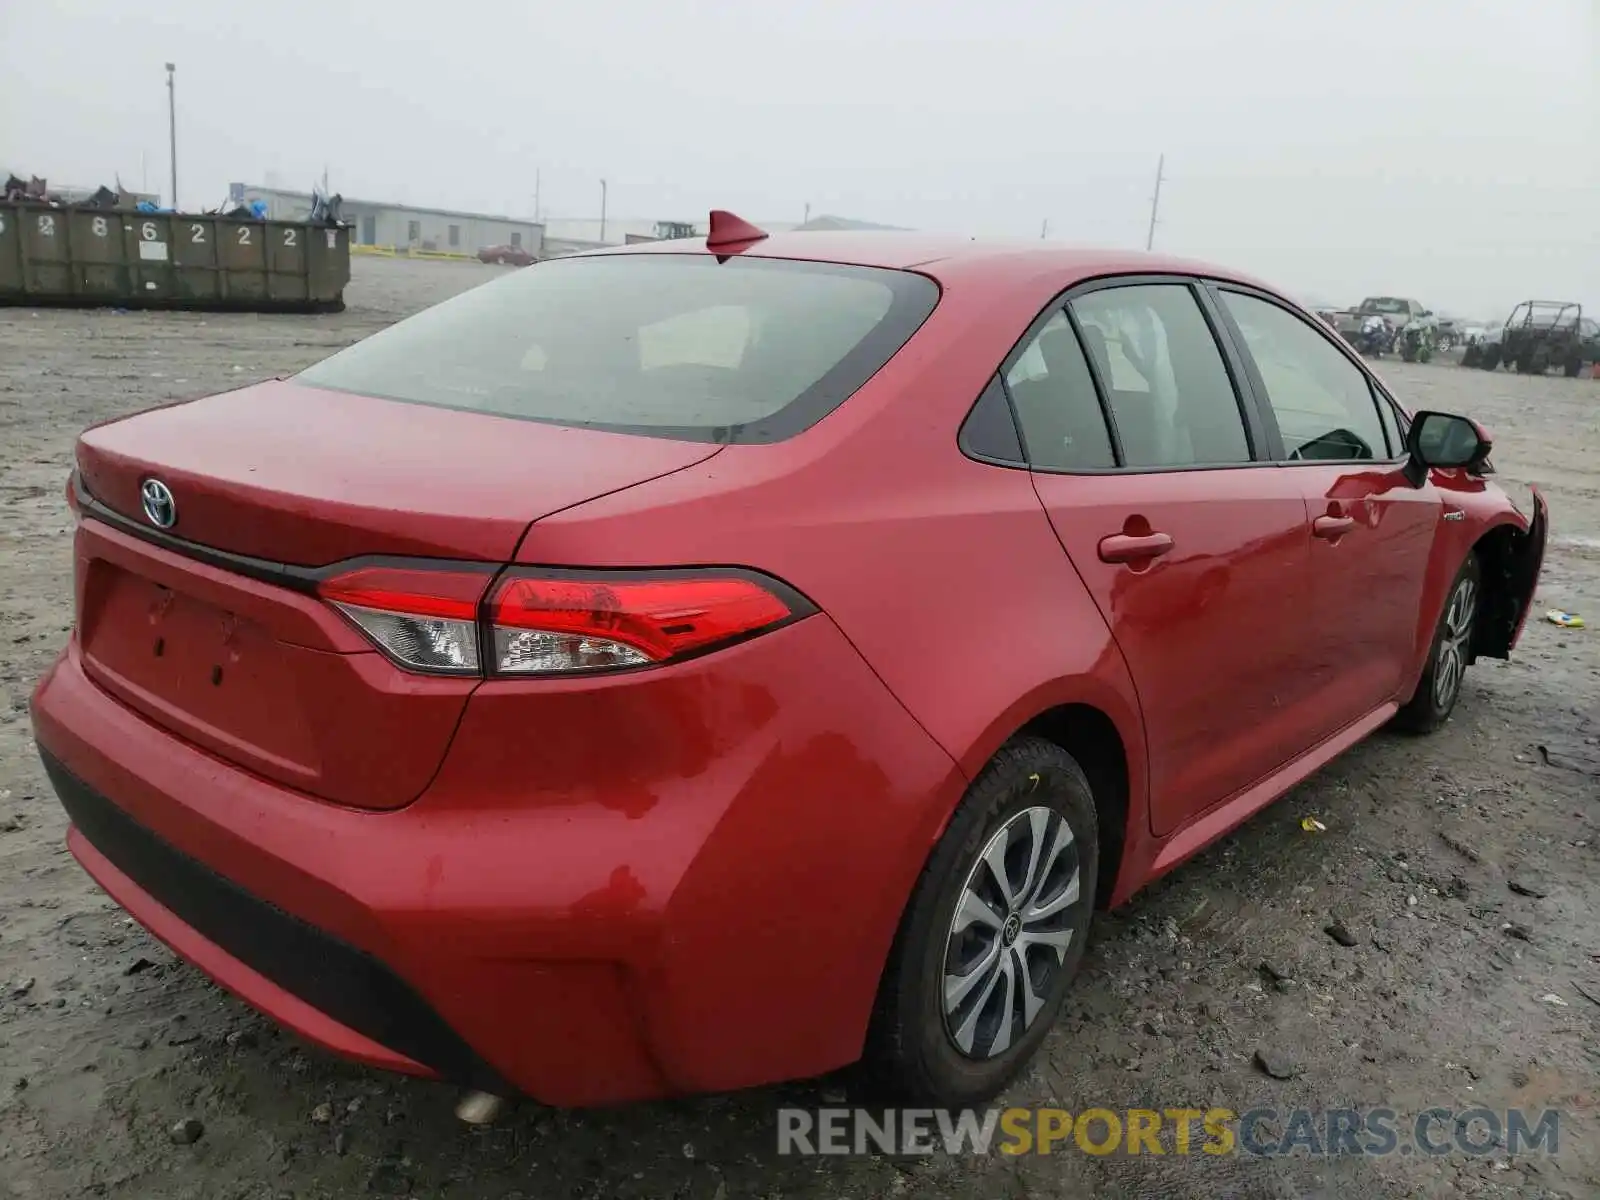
[[1397, 312]]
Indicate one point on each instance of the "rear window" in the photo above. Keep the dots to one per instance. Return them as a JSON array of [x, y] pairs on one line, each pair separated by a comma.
[[675, 345]]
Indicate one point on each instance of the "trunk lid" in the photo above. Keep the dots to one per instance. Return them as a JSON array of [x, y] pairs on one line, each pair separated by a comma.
[[244, 662], [293, 474]]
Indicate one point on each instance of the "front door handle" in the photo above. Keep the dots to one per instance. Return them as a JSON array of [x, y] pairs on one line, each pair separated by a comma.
[[1332, 527], [1129, 548]]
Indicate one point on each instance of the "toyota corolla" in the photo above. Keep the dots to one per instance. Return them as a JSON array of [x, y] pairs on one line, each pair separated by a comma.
[[690, 666]]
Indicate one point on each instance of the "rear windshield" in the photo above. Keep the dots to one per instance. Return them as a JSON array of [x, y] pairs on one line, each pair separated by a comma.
[[675, 345]]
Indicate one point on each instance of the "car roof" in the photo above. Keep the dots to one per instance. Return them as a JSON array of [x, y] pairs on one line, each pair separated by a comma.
[[948, 258]]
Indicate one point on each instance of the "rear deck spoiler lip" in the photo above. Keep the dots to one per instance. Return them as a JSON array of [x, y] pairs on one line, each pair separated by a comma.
[[299, 579], [292, 576]]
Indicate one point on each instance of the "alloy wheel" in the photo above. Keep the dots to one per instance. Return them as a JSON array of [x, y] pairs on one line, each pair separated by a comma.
[[1010, 932], [1455, 642]]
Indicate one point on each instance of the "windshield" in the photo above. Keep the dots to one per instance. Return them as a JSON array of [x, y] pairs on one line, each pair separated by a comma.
[[1384, 304], [1552, 315], [674, 345]]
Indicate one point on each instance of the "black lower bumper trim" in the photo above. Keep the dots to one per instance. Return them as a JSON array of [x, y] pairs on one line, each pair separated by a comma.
[[346, 983]]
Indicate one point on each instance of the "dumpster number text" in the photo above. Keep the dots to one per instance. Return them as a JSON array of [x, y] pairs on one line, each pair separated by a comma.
[[148, 231], [244, 235], [47, 226], [288, 237], [333, 240], [99, 226], [197, 234]]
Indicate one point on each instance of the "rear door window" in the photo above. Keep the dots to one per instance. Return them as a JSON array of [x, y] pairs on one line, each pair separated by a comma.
[[1053, 393], [675, 345], [1171, 397]]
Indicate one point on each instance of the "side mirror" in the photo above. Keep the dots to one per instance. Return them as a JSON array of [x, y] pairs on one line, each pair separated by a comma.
[[1441, 439]]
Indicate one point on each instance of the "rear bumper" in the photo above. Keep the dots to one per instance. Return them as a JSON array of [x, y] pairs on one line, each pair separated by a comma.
[[323, 988], [613, 890]]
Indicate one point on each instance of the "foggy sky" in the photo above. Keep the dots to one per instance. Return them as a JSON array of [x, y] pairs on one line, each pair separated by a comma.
[[1442, 149]]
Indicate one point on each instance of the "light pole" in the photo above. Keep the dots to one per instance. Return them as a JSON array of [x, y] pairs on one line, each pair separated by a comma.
[[1155, 202], [172, 130], [602, 210]]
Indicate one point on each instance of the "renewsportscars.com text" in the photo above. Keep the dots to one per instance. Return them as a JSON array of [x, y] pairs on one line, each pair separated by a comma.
[[1258, 1132]]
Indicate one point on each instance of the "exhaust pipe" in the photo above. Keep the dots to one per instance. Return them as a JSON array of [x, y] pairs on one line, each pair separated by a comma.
[[480, 1108]]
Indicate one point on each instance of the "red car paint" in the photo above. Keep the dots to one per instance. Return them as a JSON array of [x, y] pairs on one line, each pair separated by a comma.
[[688, 877], [507, 255]]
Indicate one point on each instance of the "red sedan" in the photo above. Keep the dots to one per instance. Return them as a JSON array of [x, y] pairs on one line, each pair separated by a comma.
[[682, 668], [508, 255]]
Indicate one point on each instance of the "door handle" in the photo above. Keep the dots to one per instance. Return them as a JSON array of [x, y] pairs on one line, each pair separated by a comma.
[[1129, 548], [1332, 527]]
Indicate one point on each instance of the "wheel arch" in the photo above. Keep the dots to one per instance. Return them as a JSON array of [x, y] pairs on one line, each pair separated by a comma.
[[1495, 532], [1504, 551], [1091, 737], [1099, 724], [1101, 728]]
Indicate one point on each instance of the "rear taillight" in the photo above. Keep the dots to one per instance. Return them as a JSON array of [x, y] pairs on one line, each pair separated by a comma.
[[423, 619], [544, 623], [539, 622]]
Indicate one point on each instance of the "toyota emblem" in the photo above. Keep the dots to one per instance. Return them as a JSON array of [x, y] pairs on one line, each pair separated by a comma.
[[159, 507]]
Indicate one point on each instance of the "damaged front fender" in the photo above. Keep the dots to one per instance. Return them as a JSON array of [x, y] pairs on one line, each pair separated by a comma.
[[1512, 577]]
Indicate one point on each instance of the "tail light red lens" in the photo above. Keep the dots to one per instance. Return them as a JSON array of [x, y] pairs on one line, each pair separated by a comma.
[[425, 620], [554, 622], [545, 623]]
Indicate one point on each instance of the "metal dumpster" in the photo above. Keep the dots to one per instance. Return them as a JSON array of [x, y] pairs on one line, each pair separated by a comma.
[[85, 258]]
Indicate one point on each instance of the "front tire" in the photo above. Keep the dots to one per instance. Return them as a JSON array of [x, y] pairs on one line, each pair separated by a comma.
[[1448, 656], [993, 934]]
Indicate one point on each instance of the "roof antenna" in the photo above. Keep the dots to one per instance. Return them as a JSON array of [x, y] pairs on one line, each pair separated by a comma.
[[730, 234]]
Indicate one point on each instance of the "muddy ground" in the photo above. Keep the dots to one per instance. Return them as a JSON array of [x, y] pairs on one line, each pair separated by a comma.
[[106, 1042]]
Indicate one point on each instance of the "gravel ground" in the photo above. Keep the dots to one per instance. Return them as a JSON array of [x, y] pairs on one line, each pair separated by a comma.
[[107, 1043]]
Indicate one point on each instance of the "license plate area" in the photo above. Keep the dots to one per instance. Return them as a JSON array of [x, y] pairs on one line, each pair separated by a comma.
[[193, 667]]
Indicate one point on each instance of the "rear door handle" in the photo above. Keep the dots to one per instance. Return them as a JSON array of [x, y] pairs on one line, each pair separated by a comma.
[[1128, 548], [1332, 527]]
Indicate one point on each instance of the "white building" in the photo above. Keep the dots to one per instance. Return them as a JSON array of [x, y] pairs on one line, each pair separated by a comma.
[[591, 232], [406, 228]]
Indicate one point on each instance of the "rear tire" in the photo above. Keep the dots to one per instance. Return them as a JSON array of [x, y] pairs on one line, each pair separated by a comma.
[[1448, 656], [975, 981], [1574, 367]]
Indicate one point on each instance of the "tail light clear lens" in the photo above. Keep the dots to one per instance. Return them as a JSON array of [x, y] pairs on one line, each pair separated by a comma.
[[553, 622], [546, 623], [423, 619]]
